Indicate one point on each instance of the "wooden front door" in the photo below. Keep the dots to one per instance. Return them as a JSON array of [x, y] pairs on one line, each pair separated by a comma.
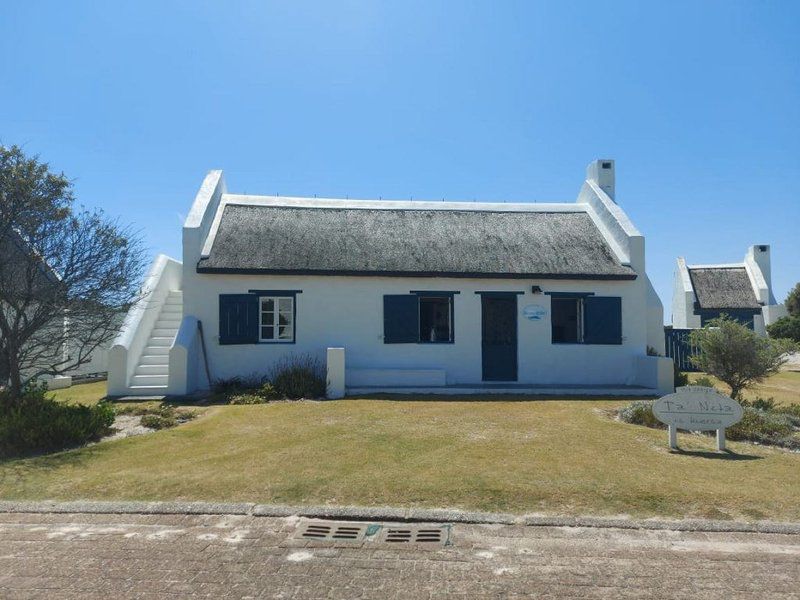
[[499, 337]]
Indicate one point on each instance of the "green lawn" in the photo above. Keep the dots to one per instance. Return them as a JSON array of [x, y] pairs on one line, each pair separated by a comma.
[[549, 456]]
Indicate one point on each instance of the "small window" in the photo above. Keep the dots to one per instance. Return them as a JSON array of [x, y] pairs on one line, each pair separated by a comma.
[[435, 319], [567, 320], [277, 319]]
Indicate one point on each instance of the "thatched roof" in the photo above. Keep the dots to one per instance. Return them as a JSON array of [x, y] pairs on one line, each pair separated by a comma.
[[723, 287], [457, 243]]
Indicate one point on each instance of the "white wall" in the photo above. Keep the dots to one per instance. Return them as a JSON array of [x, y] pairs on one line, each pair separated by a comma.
[[683, 298], [348, 312]]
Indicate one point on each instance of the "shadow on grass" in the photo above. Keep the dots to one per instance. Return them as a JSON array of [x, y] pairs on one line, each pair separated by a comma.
[[725, 455]]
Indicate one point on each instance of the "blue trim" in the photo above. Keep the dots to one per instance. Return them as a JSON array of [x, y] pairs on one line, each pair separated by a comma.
[[569, 294], [432, 293], [284, 293], [500, 294]]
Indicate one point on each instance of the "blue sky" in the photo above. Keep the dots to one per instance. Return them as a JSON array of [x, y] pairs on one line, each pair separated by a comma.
[[698, 102]]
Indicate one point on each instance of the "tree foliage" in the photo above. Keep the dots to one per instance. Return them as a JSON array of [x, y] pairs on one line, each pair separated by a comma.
[[737, 356], [66, 273], [785, 327], [793, 301]]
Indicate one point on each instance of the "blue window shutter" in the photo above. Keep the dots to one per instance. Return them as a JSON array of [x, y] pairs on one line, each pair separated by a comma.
[[238, 319], [602, 320], [400, 319]]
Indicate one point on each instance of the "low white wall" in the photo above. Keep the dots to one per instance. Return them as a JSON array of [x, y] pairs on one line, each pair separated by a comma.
[[164, 275], [656, 372], [184, 356]]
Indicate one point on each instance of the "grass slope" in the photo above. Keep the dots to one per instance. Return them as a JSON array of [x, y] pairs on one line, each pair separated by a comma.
[[553, 456]]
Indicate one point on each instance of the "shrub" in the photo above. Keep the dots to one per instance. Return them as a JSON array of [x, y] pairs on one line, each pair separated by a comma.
[[159, 421], [260, 395], [737, 356], [703, 382], [299, 377], [793, 301], [759, 403], [233, 385], [40, 424], [765, 427], [640, 413], [785, 328], [680, 378]]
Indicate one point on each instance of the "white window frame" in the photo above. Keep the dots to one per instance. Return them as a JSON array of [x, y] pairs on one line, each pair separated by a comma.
[[276, 300]]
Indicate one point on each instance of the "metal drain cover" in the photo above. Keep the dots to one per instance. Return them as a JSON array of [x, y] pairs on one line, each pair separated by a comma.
[[388, 533], [415, 534], [331, 531]]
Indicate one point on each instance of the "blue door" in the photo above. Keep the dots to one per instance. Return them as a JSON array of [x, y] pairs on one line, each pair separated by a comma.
[[499, 337]]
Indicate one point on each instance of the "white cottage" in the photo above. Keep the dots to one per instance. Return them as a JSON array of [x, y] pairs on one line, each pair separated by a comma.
[[742, 290], [446, 297]]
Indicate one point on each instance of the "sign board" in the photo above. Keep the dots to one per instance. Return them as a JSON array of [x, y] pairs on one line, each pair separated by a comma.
[[534, 312], [697, 408]]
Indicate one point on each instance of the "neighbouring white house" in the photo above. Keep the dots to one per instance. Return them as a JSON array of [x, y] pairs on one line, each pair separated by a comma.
[[742, 290], [447, 297]]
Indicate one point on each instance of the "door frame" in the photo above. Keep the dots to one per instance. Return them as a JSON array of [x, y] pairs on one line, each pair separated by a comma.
[[488, 296]]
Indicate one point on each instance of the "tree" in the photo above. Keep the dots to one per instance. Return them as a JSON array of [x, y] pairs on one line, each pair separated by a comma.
[[785, 327], [737, 356], [793, 301], [66, 274]]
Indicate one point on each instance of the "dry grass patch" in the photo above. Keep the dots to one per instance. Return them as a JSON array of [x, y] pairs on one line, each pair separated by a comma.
[[552, 456]]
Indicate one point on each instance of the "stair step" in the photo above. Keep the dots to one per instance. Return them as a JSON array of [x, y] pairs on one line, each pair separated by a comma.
[[154, 359], [171, 310], [166, 332], [152, 370], [149, 380], [151, 350], [168, 324], [160, 342], [149, 390]]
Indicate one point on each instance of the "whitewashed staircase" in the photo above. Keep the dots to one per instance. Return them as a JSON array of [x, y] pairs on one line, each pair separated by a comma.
[[151, 375]]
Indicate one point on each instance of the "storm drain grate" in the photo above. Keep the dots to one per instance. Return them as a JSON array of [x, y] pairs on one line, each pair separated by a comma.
[[416, 535], [331, 531]]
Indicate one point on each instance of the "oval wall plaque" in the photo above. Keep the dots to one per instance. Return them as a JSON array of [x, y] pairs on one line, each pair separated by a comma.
[[534, 312], [697, 408]]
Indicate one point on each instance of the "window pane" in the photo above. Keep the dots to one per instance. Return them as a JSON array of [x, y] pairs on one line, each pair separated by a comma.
[[266, 318], [267, 304], [284, 332], [267, 333], [285, 304], [285, 318], [435, 319], [565, 321]]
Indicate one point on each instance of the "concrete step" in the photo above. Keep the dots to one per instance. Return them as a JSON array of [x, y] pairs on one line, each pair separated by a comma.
[[167, 332], [148, 390], [151, 350], [149, 380], [163, 323], [154, 359], [143, 369], [160, 341]]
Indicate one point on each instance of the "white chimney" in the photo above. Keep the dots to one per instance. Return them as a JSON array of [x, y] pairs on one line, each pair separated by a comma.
[[759, 255], [601, 171]]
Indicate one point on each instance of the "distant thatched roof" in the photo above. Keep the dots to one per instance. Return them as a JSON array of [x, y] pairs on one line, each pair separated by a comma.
[[723, 287], [410, 242]]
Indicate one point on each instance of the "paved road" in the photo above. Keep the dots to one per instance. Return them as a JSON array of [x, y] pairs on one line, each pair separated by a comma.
[[158, 556]]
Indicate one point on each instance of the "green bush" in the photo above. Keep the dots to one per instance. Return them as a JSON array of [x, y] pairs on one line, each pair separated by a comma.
[[785, 328], [640, 413], [764, 427], [299, 377], [159, 421], [703, 382], [759, 403], [680, 378], [40, 424]]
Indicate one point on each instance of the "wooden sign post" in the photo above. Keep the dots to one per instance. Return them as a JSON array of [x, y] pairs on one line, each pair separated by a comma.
[[697, 408]]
